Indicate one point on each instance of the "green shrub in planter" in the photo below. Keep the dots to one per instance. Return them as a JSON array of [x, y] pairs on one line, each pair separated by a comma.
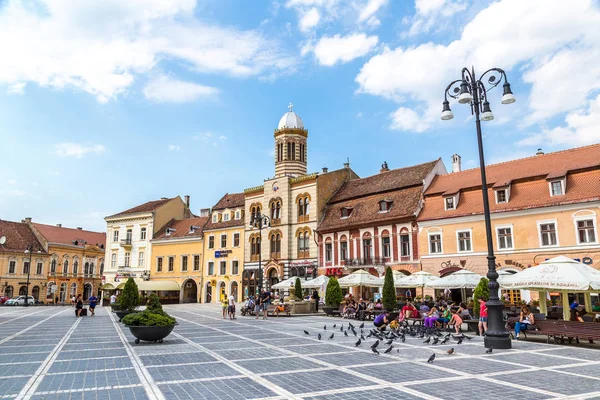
[[298, 289], [130, 298], [389, 292], [333, 294], [153, 315]]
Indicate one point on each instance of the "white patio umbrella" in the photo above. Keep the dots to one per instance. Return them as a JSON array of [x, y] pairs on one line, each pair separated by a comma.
[[286, 284], [462, 279], [558, 273], [418, 279], [316, 283], [360, 278]]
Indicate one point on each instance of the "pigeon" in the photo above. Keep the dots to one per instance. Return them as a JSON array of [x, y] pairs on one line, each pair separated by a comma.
[[325, 327], [374, 350], [362, 325], [350, 325], [334, 325], [431, 358], [459, 341], [306, 332], [358, 343], [489, 351], [403, 339], [353, 331], [345, 333], [375, 344], [362, 337], [331, 337], [389, 349], [444, 341], [390, 341], [436, 340], [467, 337], [369, 335], [451, 351], [342, 328], [319, 336], [428, 340], [397, 350]]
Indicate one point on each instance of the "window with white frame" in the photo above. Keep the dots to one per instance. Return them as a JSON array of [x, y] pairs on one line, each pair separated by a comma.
[[223, 268], [501, 196], [141, 259], [464, 241], [127, 259], [586, 232], [236, 240], [159, 264], [39, 267], [171, 265], [404, 245], [238, 214], [215, 218], [196, 263], [184, 263], [449, 203], [343, 250], [113, 261], [226, 216], [115, 236], [235, 267], [385, 246], [548, 234], [211, 242], [211, 268], [505, 238], [143, 234], [224, 240], [328, 252], [435, 243], [12, 266], [556, 188]]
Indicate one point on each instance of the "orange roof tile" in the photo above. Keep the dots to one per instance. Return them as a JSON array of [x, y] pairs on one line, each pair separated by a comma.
[[62, 235], [182, 228], [18, 236], [146, 207], [230, 201]]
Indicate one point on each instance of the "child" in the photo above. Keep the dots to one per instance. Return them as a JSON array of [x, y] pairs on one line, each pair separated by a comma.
[[456, 320], [483, 316]]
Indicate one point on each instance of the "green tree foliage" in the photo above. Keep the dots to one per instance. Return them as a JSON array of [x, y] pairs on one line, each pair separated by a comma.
[[388, 297], [130, 298], [333, 294], [482, 290], [153, 315], [298, 289]]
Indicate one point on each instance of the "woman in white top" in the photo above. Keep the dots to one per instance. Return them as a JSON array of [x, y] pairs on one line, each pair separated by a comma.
[[231, 306], [526, 319]]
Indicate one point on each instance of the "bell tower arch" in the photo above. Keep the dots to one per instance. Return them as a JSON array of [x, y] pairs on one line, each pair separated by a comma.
[[290, 145]]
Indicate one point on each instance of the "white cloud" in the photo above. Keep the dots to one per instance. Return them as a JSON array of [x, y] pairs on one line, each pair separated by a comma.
[[367, 13], [16, 192], [164, 89], [581, 129], [222, 137], [429, 14], [331, 50], [16, 88], [309, 20], [102, 49], [203, 136], [406, 119], [12, 181], [359, 114], [173, 147], [77, 150], [489, 40]]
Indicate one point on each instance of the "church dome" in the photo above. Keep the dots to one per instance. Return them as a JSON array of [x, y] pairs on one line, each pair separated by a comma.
[[290, 120]]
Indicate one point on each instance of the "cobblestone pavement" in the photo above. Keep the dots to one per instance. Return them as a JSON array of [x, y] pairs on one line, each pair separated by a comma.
[[47, 353]]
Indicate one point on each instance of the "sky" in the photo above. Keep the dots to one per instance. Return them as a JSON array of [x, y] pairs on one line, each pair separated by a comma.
[[106, 105]]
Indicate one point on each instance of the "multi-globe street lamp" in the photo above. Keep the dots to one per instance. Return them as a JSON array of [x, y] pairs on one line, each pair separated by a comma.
[[29, 250], [473, 91], [260, 221]]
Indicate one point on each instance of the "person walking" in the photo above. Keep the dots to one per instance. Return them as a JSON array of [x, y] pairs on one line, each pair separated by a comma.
[[224, 304], [73, 301], [78, 305], [315, 296], [113, 299], [232, 305], [265, 301], [93, 300]]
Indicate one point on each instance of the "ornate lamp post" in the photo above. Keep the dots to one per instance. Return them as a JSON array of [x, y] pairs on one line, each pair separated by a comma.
[[260, 221], [473, 91], [29, 250]]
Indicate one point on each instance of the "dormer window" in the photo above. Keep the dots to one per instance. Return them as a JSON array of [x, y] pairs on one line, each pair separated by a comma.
[[238, 214], [451, 200], [226, 216], [556, 188], [450, 205], [501, 196], [215, 218], [385, 205], [346, 211]]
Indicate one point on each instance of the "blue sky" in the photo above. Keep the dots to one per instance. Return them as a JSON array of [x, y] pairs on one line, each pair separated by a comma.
[[105, 107]]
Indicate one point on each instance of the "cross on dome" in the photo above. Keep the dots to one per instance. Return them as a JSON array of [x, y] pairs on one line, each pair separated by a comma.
[[291, 106]]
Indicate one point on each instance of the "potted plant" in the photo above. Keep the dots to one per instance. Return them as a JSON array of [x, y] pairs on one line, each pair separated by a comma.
[[388, 297], [129, 299], [152, 324], [333, 296], [298, 290]]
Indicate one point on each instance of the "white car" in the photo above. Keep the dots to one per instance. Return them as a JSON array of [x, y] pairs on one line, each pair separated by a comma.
[[20, 301]]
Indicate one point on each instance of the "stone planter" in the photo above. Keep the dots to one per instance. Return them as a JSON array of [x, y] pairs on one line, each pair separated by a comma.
[[150, 333], [115, 306], [301, 307], [329, 310]]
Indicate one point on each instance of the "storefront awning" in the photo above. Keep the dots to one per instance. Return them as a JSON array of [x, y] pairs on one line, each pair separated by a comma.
[[107, 286], [154, 285]]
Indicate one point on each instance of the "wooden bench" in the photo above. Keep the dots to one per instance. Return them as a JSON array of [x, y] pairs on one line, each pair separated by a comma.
[[558, 330], [271, 310], [337, 312], [415, 321]]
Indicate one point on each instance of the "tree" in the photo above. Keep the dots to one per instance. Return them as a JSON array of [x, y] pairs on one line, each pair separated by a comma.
[[298, 289], [333, 294], [130, 298], [482, 290], [389, 292]]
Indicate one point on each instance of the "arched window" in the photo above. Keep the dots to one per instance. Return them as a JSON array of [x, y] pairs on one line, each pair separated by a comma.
[[386, 245], [344, 254], [66, 267], [92, 268], [73, 289], [254, 247], [275, 241], [86, 268], [303, 235], [293, 271], [75, 267], [303, 201], [101, 268], [53, 266], [113, 261], [367, 247]]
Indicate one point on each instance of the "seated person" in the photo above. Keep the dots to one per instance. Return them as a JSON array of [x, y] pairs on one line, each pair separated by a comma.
[[362, 305], [575, 316], [431, 318], [445, 317], [378, 305], [526, 319], [279, 308], [456, 320], [463, 311], [349, 309], [424, 308], [381, 321], [408, 310]]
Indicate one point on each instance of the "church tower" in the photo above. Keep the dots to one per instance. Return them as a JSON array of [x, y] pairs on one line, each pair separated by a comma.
[[290, 145]]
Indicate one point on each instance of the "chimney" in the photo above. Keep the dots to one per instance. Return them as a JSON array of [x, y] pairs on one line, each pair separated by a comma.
[[187, 201], [79, 228], [204, 212], [384, 167], [325, 169], [539, 152], [59, 225], [456, 163], [347, 163], [28, 220]]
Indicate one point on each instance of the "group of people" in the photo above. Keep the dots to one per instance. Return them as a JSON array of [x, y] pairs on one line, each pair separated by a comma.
[[440, 314], [77, 302], [260, 303], [228, 305], [351, 308]]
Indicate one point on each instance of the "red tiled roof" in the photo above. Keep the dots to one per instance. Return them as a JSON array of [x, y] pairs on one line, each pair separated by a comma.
[[18, 236], [384, 181], [56, 234], [182, 228], [365, 209], [533, 193], [553, 164], [143, 208], [230, 201]]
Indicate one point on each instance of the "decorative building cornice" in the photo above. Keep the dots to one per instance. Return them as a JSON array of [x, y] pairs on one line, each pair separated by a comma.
[[304, 178], [254, 189], [291, 131]]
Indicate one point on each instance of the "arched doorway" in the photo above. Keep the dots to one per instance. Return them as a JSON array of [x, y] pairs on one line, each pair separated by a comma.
[[249, 283], [221, 290], [273, 278], [63, 292], [51, 286], [208, 293], [22, 290], [190, 291], [233, 288], [35, 292], [8, 292], [87, 291], [73, 291]]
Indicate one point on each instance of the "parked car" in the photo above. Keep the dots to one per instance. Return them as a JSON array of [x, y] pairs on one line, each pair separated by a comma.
[[4, 299], [20, 301]]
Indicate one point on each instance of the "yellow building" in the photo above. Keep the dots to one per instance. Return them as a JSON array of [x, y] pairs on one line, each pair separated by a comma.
[[224, 250], [177, 258], [541, 207]]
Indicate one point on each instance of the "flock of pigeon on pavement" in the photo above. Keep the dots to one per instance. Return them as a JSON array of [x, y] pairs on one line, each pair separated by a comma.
[[434, 336]]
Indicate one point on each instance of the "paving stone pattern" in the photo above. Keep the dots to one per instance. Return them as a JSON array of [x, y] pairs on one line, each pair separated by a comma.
[[48, 353]]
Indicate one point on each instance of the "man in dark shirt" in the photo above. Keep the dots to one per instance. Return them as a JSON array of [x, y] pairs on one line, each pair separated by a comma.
[[93, 300], [265, 300], [315, 296]]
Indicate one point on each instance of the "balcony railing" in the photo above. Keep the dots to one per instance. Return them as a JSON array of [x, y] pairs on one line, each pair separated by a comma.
[[361, 262], [126, 242]]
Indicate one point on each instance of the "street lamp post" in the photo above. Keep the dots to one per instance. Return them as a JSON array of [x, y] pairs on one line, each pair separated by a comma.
[[28, 250], [473, 91], [260, 221]]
